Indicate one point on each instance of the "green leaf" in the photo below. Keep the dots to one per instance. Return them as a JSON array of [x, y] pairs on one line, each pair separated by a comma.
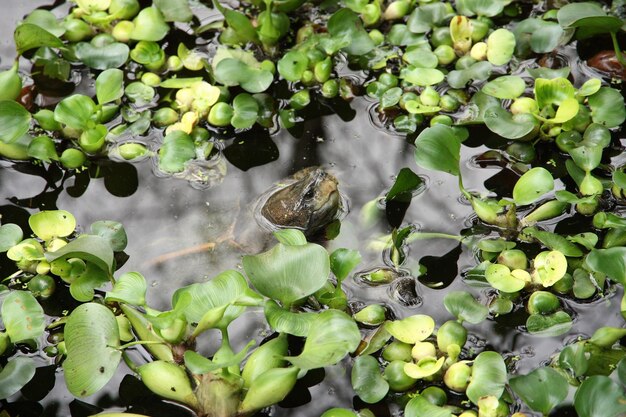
[[607, 107], [346, 26], [198, 364], [174, 10], [406, 183], [223, 290], [17, 372], [102, 57], [367, 381], [532, 185], [589, 17], [427, 16], [52, 223], [46, 20], [390, 97], [573, 359], [438, 148], [542, 389], [331, 337], [465, 307], [75, 111], [590, 87], [611, 262], [149, 25], [421, 76], [285, 321], [14, 121], [29, 36], [23, 317], [500, 46], [553, 91], [292, 65], [554, 241], [518, 126], [42, 148], [342, 261], [290, 237], [597, 396], [488, 376], [505, 87], [412, 329], [130, 288], [178, 83], [110, 85], [92, 341], [94, 249], [419, 406], [554, 324], [240, 23], [478, 71], [91, 6], [501, 278], [112, 231], [176, 151], [10, 235], [245, 111], [83, 287], [538, 35], [139, 93], [288, 273], [231, 72]]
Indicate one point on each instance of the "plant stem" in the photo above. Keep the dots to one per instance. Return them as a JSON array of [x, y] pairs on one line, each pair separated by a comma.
[[618, 51], [140, 342], [129, 362]]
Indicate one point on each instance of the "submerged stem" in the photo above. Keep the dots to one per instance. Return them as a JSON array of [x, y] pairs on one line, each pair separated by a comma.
[[618, 51]]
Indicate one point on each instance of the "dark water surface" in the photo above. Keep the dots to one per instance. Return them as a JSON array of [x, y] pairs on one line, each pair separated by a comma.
[[168, 222]]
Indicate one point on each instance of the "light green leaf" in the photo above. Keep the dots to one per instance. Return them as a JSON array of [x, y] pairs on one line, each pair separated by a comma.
[[10, 235], [542, 389], [505, 87], [285, 321], [130, 288], [94, 249], [488, 376], [14, 121], [110, 85], [52, 223], [532, 185], [23, 317], [29, 36], [465, 307], [17, 372], [367, 381]]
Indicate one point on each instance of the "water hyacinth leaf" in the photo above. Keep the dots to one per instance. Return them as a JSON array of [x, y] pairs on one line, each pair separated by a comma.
[[148, 53], [92, 341], [554, 324], [548, 73], [130, 288], [390, 97], [590, 87], [52, 223], [426, 16], [619, 178], [90, 6], [598, 395], [291, 237], [245, 111], [29, 36], [438, 148], [74, 111], [532, 185], [285, 321], [589, 17], [507, 125], [223, 290], [42, 148], [269, 388], [231, 72], [10, 235], [568, 109], [110, 85], [411, 329], [538, 35], [542, 389], [621, 372], [500, 46], [421, 57], [478, 71], [240, 23], [149, 25], [424, 368], [421, 76], [101, 57], [399, 36], [505, 87], [94, 249], [83, 287], [331, 337], [553, 91], [292, 65], [17, 372], [139, 93], [112, 231], [168, 380], [415, 107], [23, 317], [611, 262], [46, 20], [554, 241], [606, 337], [488, 376], [607, 107], [198, 364], [573, 359], [288, 273], [503, 279], [342, 261], [14, 121], [464, 306], [176, 151], [495, 245], [367, 381], [406, 183], [587, 239], [346, 26], [419, 406], [174, 10], [177, 83]]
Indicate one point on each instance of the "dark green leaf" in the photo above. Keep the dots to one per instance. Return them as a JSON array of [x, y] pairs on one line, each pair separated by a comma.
[[367, 381], [174, 10], [113, 55], [17, 372], [439, 149], [549, 325], [406, 183], [10, 235], [599, 396], [28, 36], [347, 26], [542, 389], [464, 306], [176, 151], [14, 121]]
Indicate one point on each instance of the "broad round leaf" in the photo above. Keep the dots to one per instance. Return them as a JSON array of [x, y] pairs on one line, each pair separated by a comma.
[[130, 288], [542, 389], [288, 273], [10, 235], [505, 87], [532, 185], [331, 337], [488, 376], [290, 237], [411, 329], [22, 317], [478, 71], [292, 65], [245, 111], [519, 126], [231, 72], [598, 395], [45, 19], [149, 25], [500, 46], [553, 91], [607, 107], [112, 231], [342, 261], [52, 223], [501, 278], [113, 55], [426, 16], [422, 76], [110, 85], [549, 325], [17, 372], [367, 381], [285, 321], [42, 148], [94, 249], [589, 17], [611, 262], [74, 111], [29, 36], [177, 149], [464, 306], [346, 26], [438, 148], [92, 341], [14, 121], [420, 407]]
